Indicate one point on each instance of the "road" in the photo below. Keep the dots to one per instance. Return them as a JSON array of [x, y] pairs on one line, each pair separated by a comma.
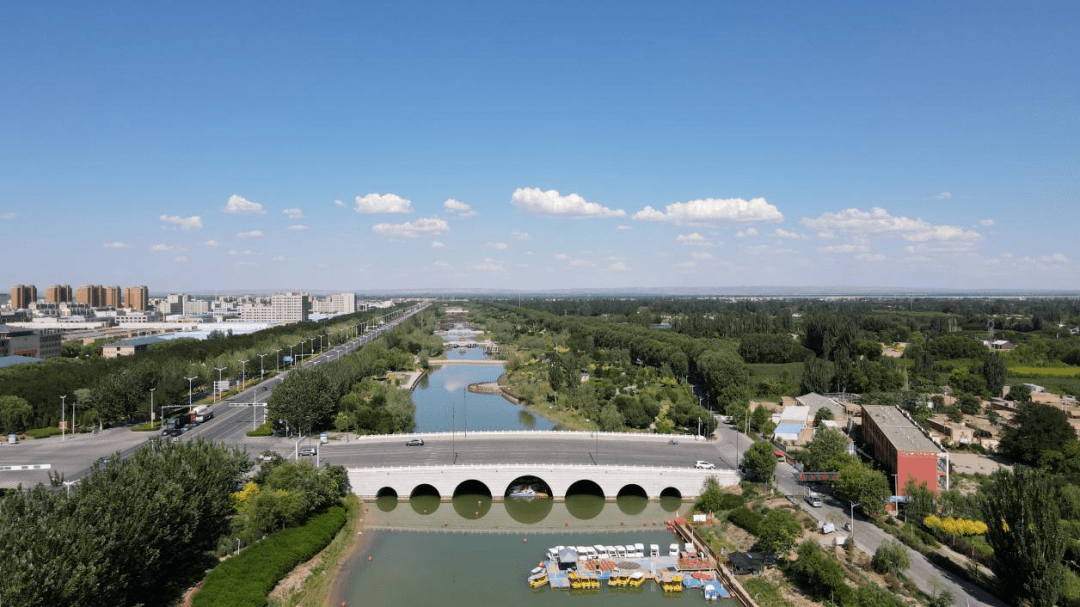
[[73, 456], [927, 576]]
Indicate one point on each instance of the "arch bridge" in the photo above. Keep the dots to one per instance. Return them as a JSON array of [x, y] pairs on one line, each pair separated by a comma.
[[610, 481]]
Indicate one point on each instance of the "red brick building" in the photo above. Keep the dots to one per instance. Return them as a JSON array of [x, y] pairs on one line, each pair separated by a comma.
[[904, 449]]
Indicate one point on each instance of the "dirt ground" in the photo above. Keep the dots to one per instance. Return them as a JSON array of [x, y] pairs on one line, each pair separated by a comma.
[[973, 463]]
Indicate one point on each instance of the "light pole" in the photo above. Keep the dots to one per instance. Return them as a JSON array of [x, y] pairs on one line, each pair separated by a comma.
[[189, 380], [152, 408], [277, 360], [292, 356], [853, 504], [262, 371], [243, 374], [63, 417], [216, 390]]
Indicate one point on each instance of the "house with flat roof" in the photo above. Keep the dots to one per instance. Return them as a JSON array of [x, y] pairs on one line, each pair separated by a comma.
[[904, 448], [129, 347]]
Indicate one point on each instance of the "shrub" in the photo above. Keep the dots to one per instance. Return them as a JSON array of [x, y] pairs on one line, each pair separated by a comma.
[[891, 557], [747, 519], [248, 578], [730, 501], [43, 432], [263, 430]]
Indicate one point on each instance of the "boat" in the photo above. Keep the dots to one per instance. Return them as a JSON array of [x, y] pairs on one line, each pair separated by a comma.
[[537, 580], [637, 578], [523, 493], [618, 579], [711, 593]]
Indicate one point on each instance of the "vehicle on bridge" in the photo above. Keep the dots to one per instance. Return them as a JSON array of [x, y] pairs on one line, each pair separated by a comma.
[[704, 465], [416, 442]]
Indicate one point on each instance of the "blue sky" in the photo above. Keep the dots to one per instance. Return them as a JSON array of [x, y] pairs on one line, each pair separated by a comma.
[[540, 145]]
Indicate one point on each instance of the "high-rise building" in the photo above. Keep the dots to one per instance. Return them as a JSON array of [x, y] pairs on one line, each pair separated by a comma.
[[283, 308], [175, 303], [137, 298], [58, 294], [22, 296], [112, 297], [91, 295]]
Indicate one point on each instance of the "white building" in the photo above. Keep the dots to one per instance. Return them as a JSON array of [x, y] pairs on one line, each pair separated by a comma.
[[283, 308]]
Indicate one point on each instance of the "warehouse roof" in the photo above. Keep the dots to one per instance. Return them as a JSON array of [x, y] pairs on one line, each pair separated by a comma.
[[901, 431]]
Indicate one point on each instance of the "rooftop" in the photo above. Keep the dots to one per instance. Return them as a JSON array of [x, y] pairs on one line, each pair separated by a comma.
[[136, 341], [901, 431], [11, 361]]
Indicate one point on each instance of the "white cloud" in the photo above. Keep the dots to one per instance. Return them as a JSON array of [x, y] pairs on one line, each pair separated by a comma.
[[382, 203], [986, 223], [184, 223], [782, 233], [747, 233], [553, 204], [944, 196], [686, 265], [488, 265], [879, 221], [1055, 258], [238, 205], [574, 262], [702, 255], [293, 213], [160, 247], [693, 239], [520, 235], [459, 208], [340, 203], [764, 249], [623, 226], [115, 245], [870, 257], [826, 235], [614, 258], [618, 266], [279, 258], [713, 210], [845, 248], [210, 243], [7, 215], [299, 227], [180, 258], [244, 253], [502, 246], [435, 244], [249, 234], [411, 229], [439, 263]]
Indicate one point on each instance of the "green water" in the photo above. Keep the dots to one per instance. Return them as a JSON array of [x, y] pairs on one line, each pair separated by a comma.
[[485, 569]]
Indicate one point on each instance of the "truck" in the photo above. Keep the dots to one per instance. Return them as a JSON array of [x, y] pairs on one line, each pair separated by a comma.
[[202, 413], [813, 498]]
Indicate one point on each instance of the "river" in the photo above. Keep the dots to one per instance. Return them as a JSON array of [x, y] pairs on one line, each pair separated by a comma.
[[470, 551]]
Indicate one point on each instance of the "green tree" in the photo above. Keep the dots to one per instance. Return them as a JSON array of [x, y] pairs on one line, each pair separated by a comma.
[[822, 414], [726, 378], [819, 571], [779, 532], [817, 375], [759, 417], [1036, 430], [921, 501], [1021, 511], [610, 420], [15, 413], [858, 483], [303, 400], [994, 370], [891, 557], [759, 461], [969, 404], [826, 452]]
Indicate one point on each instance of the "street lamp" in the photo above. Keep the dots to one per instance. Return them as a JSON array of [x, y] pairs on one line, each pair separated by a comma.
[[216, 390], [853, 504], [189, 380], [63, 418], [152, 408], [292, 356], [262, 371], [243, 374], [277, 360]]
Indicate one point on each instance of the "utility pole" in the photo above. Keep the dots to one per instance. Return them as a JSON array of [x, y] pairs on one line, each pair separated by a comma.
[[243, 374], [216, 390], [63, 417], [189, 380], [152, 408]]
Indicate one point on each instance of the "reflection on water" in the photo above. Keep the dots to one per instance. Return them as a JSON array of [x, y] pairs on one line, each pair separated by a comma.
[[387, 503], [424, 504], [472, 505], [528, 512], [526, 419], [670, 503], [444, 404], [632, 504], [584, 507]]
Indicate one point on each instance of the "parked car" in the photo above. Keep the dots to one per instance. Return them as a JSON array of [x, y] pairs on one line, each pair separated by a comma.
[[673, 442], [416, 442], [704, 465], [269, 456], [307, 451]]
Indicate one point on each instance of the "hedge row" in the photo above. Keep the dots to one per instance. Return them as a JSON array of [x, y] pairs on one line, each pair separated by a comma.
[[247, 579], [747, 519]]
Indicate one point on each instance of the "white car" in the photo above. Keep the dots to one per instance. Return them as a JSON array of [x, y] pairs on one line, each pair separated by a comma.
[[704, 465]]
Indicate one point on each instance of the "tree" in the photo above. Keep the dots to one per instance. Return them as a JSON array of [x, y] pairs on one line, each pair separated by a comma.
[[303, 400], [759, 461], [891, 557], [1037, 429], [826, 452], [822, 573], [759, 417], [779, 532], [817, 375], [994, 370], [969, 404], [822, 414], [857, 482], [1024, 529], [726, 378], [610, 420], [921, 501], [15, 413]]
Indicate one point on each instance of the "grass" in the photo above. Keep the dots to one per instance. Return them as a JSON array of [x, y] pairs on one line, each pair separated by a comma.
[[1045, 371], [766, 593], [1055, 384], [147, 427]]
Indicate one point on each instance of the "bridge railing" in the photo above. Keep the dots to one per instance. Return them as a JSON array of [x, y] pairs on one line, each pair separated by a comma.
[[649, 469], [534, 434]]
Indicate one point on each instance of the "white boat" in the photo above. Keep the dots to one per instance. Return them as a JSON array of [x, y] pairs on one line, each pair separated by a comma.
[[601, 550], [536, 570], [523, 493], [654, 550], [673, 550], [711, 593], [639, 550]]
